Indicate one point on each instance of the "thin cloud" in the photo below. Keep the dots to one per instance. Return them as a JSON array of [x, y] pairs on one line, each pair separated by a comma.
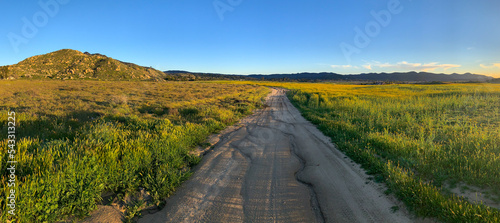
[[403, 65], [494, 65], [344, 66]]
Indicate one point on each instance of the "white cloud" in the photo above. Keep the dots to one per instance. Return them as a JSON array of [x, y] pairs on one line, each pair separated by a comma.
[[494, 65], [403, 65], [344, 66]]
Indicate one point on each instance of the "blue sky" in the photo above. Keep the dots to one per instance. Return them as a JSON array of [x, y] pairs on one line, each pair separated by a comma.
[[257, 36]]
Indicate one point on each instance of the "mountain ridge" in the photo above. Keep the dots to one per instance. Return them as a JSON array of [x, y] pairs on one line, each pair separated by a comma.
[[411, 76], [72, 64]]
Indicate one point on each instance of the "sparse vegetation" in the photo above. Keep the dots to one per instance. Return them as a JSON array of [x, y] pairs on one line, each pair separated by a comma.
[[77, 140], [4, 72]]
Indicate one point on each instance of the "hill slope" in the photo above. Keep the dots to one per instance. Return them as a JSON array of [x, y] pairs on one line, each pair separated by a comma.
[[197, 76], [73, 64]]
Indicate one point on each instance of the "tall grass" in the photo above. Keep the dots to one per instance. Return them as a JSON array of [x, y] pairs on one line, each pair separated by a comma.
[[80, 139], [420, 139]]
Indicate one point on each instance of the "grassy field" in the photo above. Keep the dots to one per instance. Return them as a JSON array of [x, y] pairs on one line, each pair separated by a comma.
[[428, 143], [77, 140]]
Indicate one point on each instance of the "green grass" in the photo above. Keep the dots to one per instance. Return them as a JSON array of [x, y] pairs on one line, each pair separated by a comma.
[[418, 139], [79, 139]]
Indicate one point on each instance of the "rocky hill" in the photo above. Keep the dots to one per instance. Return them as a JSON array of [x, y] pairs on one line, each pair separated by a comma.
[[73, 64]]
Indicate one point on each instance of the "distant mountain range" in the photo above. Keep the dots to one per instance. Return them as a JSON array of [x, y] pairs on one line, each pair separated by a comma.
[[71, 64], [398, 76]]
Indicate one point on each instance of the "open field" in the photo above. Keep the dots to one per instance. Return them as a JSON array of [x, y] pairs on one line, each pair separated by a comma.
[[77, 140], [428, 143]]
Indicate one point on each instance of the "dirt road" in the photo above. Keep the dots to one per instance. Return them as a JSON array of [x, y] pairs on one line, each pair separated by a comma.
[[277, 167]]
